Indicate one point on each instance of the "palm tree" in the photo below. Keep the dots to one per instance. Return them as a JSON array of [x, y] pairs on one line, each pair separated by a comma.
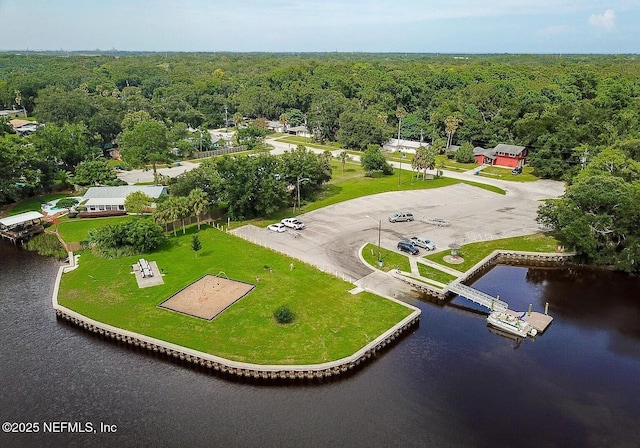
[[183, 210], [451, 124], [161, 214], [199, 202], [424, 159], [284, 120], [344, 156], [171, 211]]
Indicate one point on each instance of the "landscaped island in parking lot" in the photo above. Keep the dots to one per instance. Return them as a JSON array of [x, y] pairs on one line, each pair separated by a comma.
[[330, 323]]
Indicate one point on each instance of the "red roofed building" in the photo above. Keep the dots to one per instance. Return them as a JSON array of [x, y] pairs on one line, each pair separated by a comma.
[[502, 155]]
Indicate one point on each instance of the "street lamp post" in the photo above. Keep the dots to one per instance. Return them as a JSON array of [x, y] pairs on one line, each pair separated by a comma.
[[379, 233], [298, 184]]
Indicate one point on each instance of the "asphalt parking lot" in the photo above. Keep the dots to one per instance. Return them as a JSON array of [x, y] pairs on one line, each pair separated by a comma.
[[334, 234]]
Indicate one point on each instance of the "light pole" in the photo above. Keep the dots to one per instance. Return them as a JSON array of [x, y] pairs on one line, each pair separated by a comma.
[[300, 179], [379, 232]]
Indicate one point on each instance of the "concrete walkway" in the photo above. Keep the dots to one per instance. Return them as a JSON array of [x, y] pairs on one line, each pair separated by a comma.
[[440, 267]]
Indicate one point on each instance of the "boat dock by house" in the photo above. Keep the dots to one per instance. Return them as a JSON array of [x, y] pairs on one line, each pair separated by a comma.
[[21, 227]]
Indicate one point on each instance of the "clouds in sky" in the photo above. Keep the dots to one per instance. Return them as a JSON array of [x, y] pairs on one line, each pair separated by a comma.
[[490, 26], [605, 21]]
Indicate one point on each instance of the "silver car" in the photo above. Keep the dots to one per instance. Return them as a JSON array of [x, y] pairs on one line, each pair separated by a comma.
[[423, 242], [401, 216]]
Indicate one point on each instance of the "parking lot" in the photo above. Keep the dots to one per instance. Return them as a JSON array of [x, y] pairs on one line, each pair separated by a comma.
[[334, 234]]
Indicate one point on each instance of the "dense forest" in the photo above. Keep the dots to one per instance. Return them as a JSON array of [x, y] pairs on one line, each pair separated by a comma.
[[578, 115]]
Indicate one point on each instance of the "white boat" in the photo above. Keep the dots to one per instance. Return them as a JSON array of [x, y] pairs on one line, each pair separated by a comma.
[[512, 324]]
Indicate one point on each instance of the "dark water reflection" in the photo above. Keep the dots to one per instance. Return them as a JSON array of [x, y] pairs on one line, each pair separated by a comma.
[[450, 383]]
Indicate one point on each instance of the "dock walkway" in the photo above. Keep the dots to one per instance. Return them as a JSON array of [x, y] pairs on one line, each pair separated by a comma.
[[479, 297]]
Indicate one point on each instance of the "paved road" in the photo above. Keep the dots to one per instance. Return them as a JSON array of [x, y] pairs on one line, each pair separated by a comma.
[[138, 176]]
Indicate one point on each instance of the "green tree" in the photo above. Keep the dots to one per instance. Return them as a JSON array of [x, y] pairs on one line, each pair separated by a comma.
[[196, 245], [145, 143], [199, 203], [451, 125], [464, 154], [250, 136], [252, 186], [205, 177], [65, 146], [94, 172], [162, 214], [182, 209], [21, 173], [137, 202], [373, 160], [324, 115], [424, 159], [361, 129], [302, 163]]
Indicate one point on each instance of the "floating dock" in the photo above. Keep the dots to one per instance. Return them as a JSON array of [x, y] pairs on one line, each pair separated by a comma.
[[537, 320]]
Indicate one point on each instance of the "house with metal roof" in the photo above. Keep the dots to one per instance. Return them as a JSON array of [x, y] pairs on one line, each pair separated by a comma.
[[102, 199]]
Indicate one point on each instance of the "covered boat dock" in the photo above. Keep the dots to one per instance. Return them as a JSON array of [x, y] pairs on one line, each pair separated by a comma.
[[20, 227]]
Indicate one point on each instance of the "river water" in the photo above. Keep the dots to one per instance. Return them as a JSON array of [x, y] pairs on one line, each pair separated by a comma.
[[452, 382]]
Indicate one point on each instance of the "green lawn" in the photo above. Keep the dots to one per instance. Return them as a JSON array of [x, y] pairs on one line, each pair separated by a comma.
[[33, 204], [475, 252], [450, 164], [435, 274], [330, 325], [295, 141], [390, 259], [76, 230], [496, 172]]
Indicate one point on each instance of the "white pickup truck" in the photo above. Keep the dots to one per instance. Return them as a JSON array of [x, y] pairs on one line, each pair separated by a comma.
[[293, 223]]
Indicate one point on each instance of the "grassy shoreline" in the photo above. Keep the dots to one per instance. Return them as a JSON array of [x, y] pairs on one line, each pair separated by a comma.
[[329, 326]]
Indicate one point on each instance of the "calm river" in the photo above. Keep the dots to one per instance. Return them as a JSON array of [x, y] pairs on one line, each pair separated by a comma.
[[450, 383]]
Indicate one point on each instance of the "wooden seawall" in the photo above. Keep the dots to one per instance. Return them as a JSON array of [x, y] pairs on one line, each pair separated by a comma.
[[225, 366]]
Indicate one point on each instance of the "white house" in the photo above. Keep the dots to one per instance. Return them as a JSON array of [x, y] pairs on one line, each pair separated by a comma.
[[275, 126], [300, 131], [409, 146], [100, 199]]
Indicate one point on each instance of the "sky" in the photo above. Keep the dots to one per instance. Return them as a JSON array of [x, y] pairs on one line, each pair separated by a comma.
[[398, 26]]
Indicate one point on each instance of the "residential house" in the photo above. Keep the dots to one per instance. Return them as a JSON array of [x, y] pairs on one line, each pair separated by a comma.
[[408, 146], [502, 155], [23, 127], [101, 199], [275, 126], [300, 131]]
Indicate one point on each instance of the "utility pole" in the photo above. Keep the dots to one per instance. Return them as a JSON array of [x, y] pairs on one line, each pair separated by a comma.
[[400, 114]]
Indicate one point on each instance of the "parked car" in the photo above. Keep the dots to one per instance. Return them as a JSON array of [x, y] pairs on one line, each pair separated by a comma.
[[517, 170], [423, 242], [293, 223], [277, 227], [401, 216], [406, 246]]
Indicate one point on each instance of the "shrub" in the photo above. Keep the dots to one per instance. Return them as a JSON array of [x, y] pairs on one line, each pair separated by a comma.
[[48, 245], [284, 315], [128, 238], [67, 202]]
